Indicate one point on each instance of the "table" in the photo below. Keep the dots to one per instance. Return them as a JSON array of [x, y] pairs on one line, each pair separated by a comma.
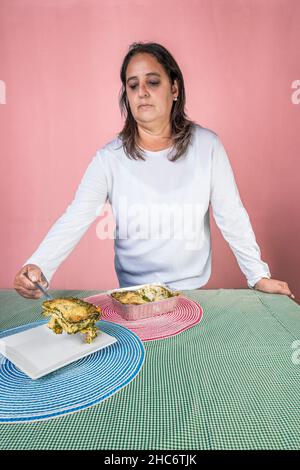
[[227, 383]]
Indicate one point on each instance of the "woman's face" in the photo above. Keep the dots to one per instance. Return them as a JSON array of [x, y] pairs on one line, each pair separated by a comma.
[[148, 83]]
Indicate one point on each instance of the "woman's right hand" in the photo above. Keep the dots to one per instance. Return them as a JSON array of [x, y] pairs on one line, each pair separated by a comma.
[[26, 287]]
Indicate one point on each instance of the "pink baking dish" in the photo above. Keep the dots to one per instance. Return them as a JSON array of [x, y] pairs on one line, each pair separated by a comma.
[[151, 309]]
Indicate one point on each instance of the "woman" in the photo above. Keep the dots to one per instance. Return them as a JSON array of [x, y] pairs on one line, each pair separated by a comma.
[[159, 174]]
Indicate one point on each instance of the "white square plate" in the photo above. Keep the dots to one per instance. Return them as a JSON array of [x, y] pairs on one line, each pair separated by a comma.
[[38, 351]]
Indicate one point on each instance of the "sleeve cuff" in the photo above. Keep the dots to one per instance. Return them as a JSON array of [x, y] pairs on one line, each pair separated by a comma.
[[251, 282]]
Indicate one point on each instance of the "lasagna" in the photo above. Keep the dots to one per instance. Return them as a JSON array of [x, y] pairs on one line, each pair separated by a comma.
[[72, 315], [143, 295]]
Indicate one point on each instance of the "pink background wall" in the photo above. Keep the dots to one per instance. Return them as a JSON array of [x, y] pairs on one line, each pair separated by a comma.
[[60, 61]]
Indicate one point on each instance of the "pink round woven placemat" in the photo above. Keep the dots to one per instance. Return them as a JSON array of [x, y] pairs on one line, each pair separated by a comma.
[[186, 314]]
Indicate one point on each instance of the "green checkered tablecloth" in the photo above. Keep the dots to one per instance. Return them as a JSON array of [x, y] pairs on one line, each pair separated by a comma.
[[227, 383]]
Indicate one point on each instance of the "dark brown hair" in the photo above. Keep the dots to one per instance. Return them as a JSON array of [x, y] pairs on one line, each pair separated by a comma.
[[181, 126]]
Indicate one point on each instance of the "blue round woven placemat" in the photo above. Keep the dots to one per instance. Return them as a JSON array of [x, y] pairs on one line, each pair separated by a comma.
[[79, 385]]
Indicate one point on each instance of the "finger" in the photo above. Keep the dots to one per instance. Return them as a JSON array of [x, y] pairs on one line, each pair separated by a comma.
[[283, 288], [285, 291], [25, 283], [34, 274], [284, 285], [29, 294], [29, 283], [29, 290]]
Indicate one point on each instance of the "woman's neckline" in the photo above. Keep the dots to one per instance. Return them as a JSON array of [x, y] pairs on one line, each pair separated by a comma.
[[155, 151]]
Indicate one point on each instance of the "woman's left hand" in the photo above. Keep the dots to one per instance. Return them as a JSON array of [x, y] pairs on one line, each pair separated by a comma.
[[273, 286]]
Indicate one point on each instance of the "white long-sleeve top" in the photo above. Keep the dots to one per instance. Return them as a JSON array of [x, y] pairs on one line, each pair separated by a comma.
[[161, 213]]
